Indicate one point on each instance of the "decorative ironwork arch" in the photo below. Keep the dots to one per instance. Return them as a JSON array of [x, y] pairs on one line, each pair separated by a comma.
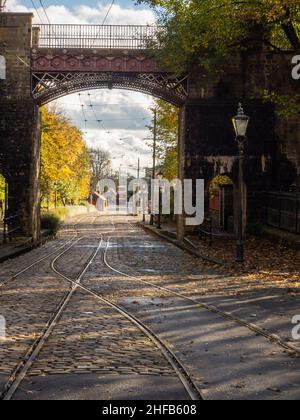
[[50, 86], [71, 58]]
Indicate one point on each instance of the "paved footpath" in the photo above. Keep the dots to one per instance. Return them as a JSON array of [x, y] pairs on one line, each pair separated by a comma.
[[96, 353]]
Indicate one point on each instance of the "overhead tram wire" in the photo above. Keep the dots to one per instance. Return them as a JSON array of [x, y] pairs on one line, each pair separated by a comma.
[[104, 20], [83, 114], [45, 12], [131, 100], [97, 119], [108, 12], [111, 119], [82, 105], [47, 17], [37, 12], [93, 109], [111, 104]]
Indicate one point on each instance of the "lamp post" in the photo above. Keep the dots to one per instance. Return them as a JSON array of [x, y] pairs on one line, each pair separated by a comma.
[[154, 161], [160, 178], [240, 123]]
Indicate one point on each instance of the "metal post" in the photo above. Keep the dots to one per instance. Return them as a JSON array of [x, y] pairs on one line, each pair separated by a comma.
[[154, 166], [137, 190], [159, 206], [5, 226], [240, 230], [138, 187]]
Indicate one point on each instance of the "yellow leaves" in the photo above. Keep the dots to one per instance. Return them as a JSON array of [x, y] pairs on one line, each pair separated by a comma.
[[279, 10], [167, 133], [218, 25], [64, 158], [2, 187]]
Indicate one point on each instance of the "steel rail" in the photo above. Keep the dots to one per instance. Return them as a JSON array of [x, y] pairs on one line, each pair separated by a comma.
[[273, 338], [20, 372], [169, 355], [33, 353], [36, 262]]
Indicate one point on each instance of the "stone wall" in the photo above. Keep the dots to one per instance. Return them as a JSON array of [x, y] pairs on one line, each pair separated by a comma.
[[273, 146], [15, 45], [19, 123], [245, 77]]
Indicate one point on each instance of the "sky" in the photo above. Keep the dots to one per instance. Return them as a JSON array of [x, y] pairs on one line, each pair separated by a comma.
[[124, 114]]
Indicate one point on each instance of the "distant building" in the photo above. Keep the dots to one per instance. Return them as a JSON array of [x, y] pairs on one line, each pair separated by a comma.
[[99, 201]]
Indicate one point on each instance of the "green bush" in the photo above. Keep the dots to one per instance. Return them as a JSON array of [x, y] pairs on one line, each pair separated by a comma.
[[60, 212], [84, 204], [51, 222]]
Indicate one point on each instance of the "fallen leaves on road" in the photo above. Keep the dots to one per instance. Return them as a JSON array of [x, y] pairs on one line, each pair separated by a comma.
[[263, 260]]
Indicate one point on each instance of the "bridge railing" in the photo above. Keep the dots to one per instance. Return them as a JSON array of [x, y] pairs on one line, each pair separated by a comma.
[[94, 36]]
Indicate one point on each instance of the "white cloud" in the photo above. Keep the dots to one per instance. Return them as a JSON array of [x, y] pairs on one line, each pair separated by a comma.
[[122, 130], [88, 15]]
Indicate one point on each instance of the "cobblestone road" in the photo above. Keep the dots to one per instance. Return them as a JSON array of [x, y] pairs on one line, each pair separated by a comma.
[[92, 343], [90, 337]]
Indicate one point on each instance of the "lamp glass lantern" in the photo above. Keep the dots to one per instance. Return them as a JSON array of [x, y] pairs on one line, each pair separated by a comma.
[[240, 122]]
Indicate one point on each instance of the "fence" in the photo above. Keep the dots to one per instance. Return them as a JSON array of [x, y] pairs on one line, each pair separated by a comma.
[[282, 210], [95, 36], [10, 227]]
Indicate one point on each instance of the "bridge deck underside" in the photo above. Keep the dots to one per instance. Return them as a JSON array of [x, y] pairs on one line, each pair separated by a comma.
[[59, 72]]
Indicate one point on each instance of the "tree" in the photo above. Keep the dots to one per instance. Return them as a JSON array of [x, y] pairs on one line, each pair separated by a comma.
[[65, 160], [2, 187], [101, 166], [206, 31], [167, 138]]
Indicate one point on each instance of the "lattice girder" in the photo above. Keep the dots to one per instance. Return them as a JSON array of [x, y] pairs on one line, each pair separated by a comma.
[[50, 86]]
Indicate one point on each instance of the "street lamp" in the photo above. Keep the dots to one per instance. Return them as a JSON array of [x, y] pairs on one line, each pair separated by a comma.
[[154, 161], [240, 123], [160, 176]]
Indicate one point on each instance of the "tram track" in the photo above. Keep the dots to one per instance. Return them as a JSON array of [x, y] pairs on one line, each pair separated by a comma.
[[27, 359], [194, 302], [169, 355], [44, 257], [104, 238], [26, 363]]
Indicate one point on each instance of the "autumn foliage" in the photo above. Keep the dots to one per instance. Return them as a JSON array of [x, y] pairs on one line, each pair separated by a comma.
[[219, 27], [65, 169], [2, 187], [167, 138]]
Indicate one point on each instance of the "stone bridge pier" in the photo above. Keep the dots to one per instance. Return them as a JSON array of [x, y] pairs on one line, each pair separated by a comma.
[[208, 147], [19, 124]]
